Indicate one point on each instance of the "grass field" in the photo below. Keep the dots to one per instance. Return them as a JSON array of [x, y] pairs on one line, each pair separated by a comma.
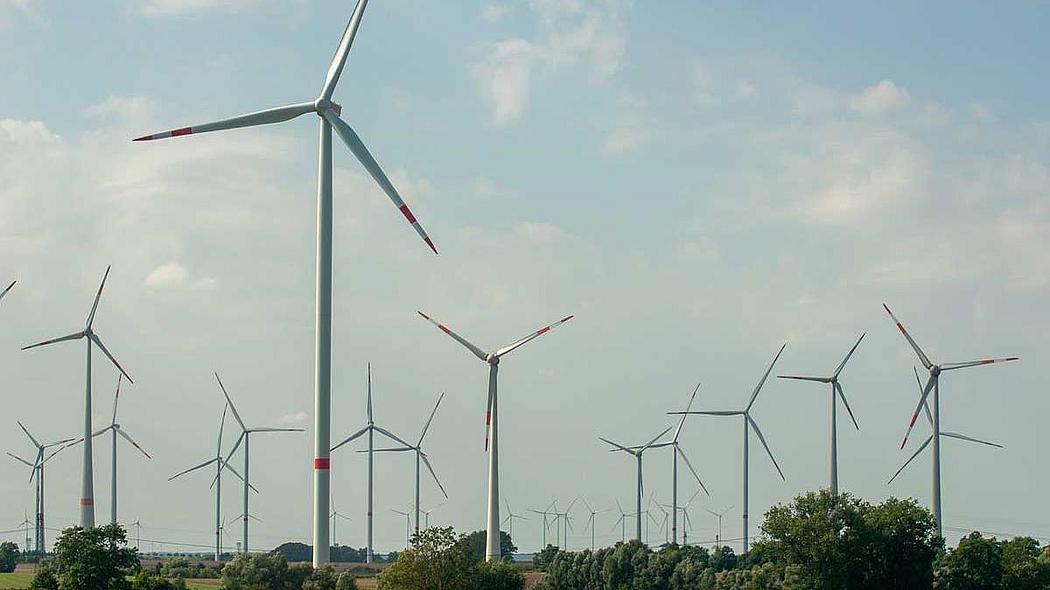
[[20, 581]]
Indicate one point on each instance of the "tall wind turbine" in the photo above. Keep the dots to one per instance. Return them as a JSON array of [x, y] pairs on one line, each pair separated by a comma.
[[370, 429], [420, 456], [87, 486], [37, 466], [492, 538], [935, 426], [933, 384], [749, 424], [245, 437], [676, 450], [329, 114], [836, 393], [115, 428], [637, 452], [220, 464]]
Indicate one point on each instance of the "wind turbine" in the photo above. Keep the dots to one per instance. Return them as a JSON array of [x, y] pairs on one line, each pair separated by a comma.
[[87, 486], [676, 450], [590, 519], [718, 515], [749, 423], [116, 430], [492, 538], [564, 516], [370, 428], [935, 425], [545, 513], [220, 464], [836, 392], [408, 526], [509, 520], [426, 515], [420, 455], [334, 516], [138, 533], [637, 453], [329, 114], [687, 522], [245, 437], [37, 467], [933, 384], [622, 521]]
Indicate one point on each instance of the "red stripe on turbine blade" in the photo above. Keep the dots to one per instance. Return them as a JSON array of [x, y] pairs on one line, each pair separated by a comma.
[[183, 131], [408, 214], [337, 108], [444, 329], [431, 244], [143, 138], [322, 463], [543, 331], [87, 501], [913, 419], [488, 418]]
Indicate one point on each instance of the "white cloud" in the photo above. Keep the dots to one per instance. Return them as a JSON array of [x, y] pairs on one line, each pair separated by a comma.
[[161, 8], [572, 31], [882, 97], [127, 107], [494, 13], [12, 10], [175, 276], [296, 419], [486, 188], [630, 128]]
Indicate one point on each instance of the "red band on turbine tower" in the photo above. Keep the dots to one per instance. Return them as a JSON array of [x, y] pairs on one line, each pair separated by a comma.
[[322, 463], [87, 501]]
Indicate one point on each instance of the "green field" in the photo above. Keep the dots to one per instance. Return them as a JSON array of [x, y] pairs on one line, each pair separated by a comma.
[[20, 581]]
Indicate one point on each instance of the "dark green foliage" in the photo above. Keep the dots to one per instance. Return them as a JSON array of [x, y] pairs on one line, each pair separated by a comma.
[[258, 572], [147, 581], [92, 559], [8, 556], [983, 562], [180, 567], [438, 560], [303, 553], [543, 559], [474, 544]]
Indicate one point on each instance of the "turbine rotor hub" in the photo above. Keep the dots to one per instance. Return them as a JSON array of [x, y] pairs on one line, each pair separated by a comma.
[[492, 359]]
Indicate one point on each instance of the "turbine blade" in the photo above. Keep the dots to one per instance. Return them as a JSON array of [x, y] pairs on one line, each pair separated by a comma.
[[105, 351], [194, 468], [797, 378], [21, 460], [230, 468], [912, 458], [430, 468], [681, 453], [536, 334], [617, 445], [229, 401], [76, 336], [762, 439], [388, 450], [429, 420], [758, 387], [236, 446], [350, 438], [370, 418], [116, 398], [951, 366], [922, 355], [970, 439], [922, 401], [710, 413], [9, 287], [222, 426], [265, 117], [488, 404], [849, 354], [926, 407], [274, 429], [352, 141], [128, 438], [477, 351], [341, 53], [26, 430], [94, 306], [392, 436], [842, 396], [688, 407], [650, 443]]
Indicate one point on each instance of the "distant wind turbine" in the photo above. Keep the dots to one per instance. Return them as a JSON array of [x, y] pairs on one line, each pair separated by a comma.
[[370, 429], [329, 114], [546, 512], [87, 486], [245, 437], [718, 515], [334, 516], [749, 424], [492, 537], [636, 452], [836, 393], [509, 520], [37, 467], [590, 519], [116, 430], [622, 522], [408, 526], [933, 384]]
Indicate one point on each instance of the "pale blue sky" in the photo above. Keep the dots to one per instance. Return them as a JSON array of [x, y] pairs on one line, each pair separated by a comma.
[[697, 181]]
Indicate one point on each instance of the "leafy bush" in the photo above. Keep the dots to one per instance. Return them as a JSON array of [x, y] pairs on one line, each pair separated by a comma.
[[180, 567], [92, 559], [8, 556], [438, 560], [147, 581]]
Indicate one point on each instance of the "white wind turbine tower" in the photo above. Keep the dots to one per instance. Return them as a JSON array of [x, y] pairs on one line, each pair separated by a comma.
[[545, 513], [87, 487], [676, 450], [116, 430], [426, 515], [334, 516], [684, 509], [509, 520], [749, 424], [370, 429], [718, 515], [220, 464], [590, 519], [636, 452], [408, 526], [836, 393], [245, 437], [933, 384], [935, 426], [329, 114], [492, 538], [37, 467], [420, 456], [560, 517]]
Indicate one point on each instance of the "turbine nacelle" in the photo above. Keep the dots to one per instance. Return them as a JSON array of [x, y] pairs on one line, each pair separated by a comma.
[[492, 359]]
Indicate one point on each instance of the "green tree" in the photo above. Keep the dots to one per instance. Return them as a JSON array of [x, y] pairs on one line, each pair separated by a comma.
[[8, 556], [976, 564], [147, 581], [90, 559], [474, 543], [256, 571], [438, 560], [543, 559], [1023, 568]]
